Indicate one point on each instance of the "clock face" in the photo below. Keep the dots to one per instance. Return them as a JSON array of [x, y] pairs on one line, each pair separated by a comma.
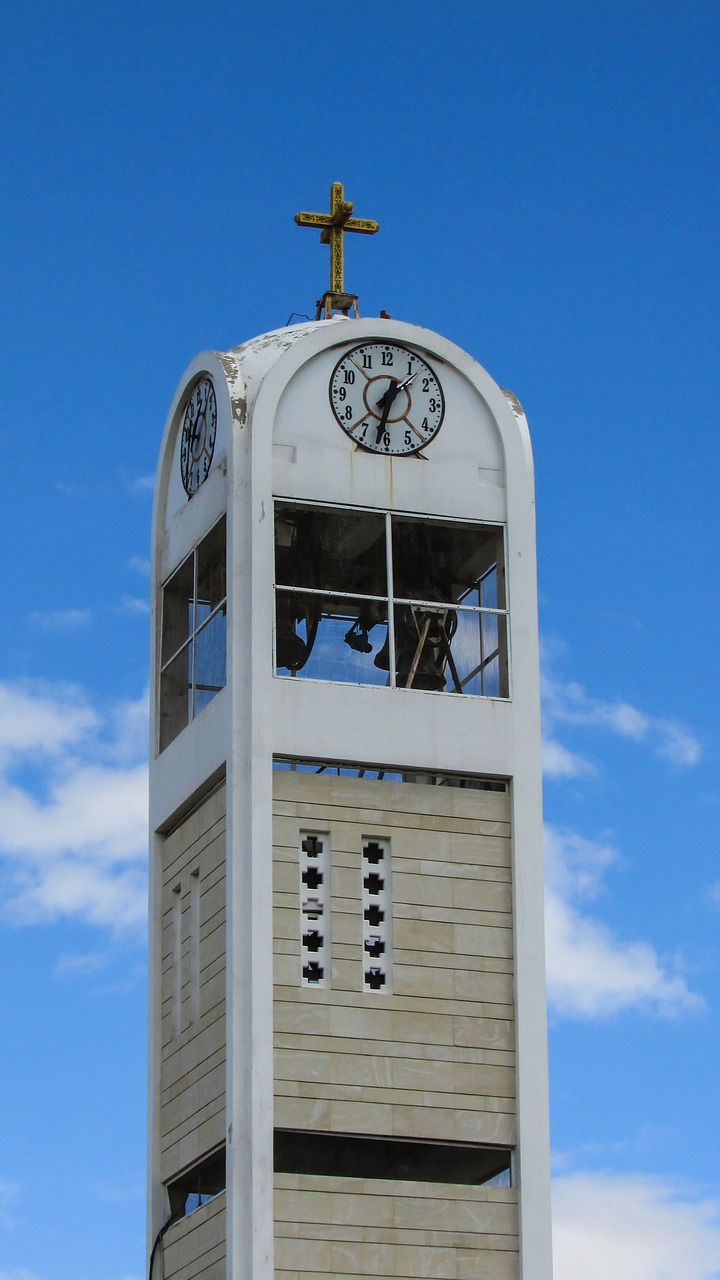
[[387, 398], [198, 435]]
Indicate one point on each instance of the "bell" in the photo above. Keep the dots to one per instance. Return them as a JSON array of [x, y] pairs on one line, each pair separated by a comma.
[[357, 638]]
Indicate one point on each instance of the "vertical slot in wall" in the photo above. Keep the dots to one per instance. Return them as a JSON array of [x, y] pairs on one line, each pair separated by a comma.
[[315, 908], [195, 945], [377, 915], [176, 960]]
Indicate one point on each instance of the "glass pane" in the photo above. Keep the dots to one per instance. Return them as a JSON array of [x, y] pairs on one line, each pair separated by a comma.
[[177, 620], [175, 696], [422, 638], [443, 560], [330, 638], [212, 579], [210, 649], [450, 650], [330, 549], [488, 593]]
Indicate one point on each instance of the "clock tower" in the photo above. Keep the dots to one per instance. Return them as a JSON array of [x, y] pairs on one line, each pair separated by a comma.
[[347, 1014]]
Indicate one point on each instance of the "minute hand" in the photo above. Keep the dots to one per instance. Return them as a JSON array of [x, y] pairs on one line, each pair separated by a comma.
[[407, 382]]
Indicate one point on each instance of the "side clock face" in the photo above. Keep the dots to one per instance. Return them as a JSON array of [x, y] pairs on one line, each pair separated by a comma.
[[387, 398], [198, 436]]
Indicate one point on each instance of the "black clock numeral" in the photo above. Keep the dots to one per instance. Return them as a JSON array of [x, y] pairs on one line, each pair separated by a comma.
[[387, 358], [348, 413], [424, 425], [410, 365], [408, 437], [433, 405], [367, 361], [342, 393], [386, 439], [349, 376], [426, 384]]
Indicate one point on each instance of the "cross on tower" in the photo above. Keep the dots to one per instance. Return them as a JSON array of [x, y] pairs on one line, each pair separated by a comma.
[[332, 226]]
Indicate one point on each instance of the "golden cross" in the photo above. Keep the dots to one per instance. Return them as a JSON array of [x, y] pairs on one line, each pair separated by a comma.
[[333, 225]]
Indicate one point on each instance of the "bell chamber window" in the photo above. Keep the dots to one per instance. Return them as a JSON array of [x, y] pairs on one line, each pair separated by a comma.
[[367, 597], [193, 647]]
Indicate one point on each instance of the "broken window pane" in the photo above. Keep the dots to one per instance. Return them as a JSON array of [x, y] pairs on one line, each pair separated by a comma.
[[211, 573], [176, 696], [177, 609], [198, 1186], [330, 549], [331, 638], [443, 560]]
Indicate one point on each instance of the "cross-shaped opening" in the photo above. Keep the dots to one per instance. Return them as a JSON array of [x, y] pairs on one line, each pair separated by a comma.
[[375, 979]]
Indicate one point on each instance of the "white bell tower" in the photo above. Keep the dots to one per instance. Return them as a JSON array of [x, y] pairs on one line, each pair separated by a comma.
[[347, 1015]]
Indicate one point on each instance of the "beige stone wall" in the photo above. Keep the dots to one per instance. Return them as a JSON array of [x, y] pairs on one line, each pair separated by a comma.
[[386, 1229], [433, 1058], [194, 1248], [193, 978]]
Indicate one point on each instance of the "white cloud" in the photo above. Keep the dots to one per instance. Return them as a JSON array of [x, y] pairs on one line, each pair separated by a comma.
[[559, 762], [73, 808], [591, 972], [133, 604], [39, 719], [677, 743], [142, 484], [140, 564], [61, 619], [19, 1273], [567, 703], [633, 1227]]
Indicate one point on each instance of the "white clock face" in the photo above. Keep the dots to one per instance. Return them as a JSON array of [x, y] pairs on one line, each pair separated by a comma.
[[387, 398], [199, 429]]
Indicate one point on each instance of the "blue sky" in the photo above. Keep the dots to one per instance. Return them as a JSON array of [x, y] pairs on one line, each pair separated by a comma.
[[546, 183]]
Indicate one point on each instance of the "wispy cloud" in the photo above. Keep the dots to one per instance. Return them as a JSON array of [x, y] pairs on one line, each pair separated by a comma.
[[80, 965], [73, 808], [566, 703], [120, 1193], [591, 972], [633, 1226], [8, 1193], [60, 619], [142, 484], [134, 605], [140, 564]]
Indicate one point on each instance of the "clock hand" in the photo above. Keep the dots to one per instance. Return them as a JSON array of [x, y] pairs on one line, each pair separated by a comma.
[[395, 387], [407, 381], [385, 403]]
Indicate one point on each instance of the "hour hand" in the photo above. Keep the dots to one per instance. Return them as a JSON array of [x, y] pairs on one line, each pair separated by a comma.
[[385, 403], [388, 395]]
